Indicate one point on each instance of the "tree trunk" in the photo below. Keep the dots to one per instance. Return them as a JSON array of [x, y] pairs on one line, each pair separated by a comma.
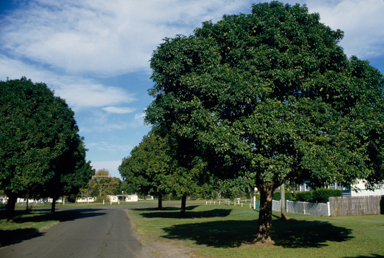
[[183, 205], [160, 202], [265, 213], [11, 206], [53, 204], [282, 201]]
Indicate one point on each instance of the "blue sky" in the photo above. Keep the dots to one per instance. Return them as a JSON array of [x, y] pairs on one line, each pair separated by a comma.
[[95, 54]]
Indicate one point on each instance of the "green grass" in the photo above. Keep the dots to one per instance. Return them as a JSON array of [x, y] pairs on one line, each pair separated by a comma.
[[26, 225], [223, 231]]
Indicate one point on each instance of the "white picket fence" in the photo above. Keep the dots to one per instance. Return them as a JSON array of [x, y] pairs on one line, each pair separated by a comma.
[[310, 208]]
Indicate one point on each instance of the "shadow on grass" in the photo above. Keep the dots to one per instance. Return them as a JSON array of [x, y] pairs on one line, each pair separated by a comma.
[[289, 234], [170, 213], [364, 256], [13, 236]]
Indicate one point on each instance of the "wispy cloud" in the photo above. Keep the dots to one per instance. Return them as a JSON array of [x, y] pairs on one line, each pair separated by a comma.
[[119, 110], [79, 92], [361, 21], [102, 37], [106, 146]]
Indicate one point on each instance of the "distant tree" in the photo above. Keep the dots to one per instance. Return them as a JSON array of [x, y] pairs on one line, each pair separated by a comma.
[[38, 140], [160, 166], [271, 93], [148, 167], [102, 183], [73, 173]]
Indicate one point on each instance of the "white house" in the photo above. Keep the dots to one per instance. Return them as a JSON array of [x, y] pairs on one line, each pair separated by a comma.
[[355, 190], [86, 199], [123, 198], [360, 190]]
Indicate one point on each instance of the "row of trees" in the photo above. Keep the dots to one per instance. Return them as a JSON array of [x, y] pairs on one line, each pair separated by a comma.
[[158, 167], [269, 97], [41, 152]]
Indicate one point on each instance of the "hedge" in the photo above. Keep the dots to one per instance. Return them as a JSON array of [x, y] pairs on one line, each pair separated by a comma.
[[319, 195], [305, 196], [322, 194], [277, 196]]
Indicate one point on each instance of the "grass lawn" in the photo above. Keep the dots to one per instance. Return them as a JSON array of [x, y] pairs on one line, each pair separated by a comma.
[[223, 231], [27, 225]]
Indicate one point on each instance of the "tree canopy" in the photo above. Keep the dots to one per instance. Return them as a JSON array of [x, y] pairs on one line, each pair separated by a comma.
[[40, 149], [272, 96], [156, 167], [102, 184]]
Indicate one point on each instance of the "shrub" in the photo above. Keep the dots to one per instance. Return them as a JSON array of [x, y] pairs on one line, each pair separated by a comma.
[[305, 196], [322, 194], [72, 198], [277, 196]]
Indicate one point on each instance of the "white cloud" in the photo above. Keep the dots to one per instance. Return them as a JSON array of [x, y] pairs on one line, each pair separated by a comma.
[[119, 110], [79, 92], [361, 21], [138, 121], [103, 37]]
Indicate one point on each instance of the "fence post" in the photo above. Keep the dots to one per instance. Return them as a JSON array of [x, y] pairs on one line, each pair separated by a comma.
[[329, 209]]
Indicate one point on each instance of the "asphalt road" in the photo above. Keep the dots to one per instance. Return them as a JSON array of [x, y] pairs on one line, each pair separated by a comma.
[[96, 232]]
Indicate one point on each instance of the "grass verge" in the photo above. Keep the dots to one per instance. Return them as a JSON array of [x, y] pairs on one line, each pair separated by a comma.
[[27, 225], [223, 231]]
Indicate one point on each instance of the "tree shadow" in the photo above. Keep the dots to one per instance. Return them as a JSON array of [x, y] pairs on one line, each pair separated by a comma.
[[229, 234], [172, 213], [13, 236], [10, 237], [364, 256], [300, 233]]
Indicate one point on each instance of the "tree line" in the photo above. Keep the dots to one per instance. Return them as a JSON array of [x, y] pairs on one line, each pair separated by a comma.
[[41, 151], [268, 97]]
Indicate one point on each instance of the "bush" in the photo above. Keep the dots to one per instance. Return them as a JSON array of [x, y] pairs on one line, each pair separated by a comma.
[[322, 194], [277, 196], [71, 198], [305, 196]]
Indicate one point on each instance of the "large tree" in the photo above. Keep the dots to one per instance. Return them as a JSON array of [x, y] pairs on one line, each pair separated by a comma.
[[272, 95], [38, 140]]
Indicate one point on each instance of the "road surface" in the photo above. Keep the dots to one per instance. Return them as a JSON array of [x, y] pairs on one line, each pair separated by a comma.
[[96, 232]]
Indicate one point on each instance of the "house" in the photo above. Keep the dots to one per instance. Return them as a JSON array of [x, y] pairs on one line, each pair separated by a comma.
[[86, 199], [355, 190], [123, 198]]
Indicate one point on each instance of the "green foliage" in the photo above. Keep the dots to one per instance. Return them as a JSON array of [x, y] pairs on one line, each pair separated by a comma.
[[102, 184], [277, 196], [305, 196], [41, 151], [318, 195], [272, 95], [322, 194], [147, 169], [157, 167]]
